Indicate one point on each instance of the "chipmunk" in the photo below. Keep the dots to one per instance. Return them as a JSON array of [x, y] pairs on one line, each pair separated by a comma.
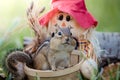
[[14, 63], [55, 53]]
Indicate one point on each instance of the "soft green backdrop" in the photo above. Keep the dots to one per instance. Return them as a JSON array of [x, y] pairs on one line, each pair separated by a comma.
[[13, 21]]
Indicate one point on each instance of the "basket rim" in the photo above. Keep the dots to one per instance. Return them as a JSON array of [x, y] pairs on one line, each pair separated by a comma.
[[49, 73]]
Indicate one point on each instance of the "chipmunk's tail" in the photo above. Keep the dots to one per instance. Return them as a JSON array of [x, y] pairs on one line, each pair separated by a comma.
[[13, 64]]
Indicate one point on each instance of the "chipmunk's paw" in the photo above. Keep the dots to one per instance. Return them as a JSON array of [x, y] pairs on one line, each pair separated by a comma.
[[53, 68], [60, 68]]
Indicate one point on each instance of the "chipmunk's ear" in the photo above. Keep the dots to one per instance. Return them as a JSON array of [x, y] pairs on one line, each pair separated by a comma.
[[57, 27], [70, 27], [70, 34], [53, 34]]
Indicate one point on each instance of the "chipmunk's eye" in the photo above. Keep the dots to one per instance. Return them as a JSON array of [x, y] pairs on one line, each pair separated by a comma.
[[59, 33], [60, 17], [53, 34], [68, 18]]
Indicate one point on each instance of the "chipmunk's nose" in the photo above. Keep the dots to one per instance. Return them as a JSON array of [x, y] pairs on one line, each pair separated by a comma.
[[67, 39], [63, 24]]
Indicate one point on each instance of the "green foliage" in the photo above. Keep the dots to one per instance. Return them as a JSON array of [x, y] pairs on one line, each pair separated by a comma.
[[13, 38], [106, 12], [37, 77], [118, 73]]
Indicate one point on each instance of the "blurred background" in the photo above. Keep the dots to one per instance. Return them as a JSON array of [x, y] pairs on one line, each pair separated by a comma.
[[14, 27]]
